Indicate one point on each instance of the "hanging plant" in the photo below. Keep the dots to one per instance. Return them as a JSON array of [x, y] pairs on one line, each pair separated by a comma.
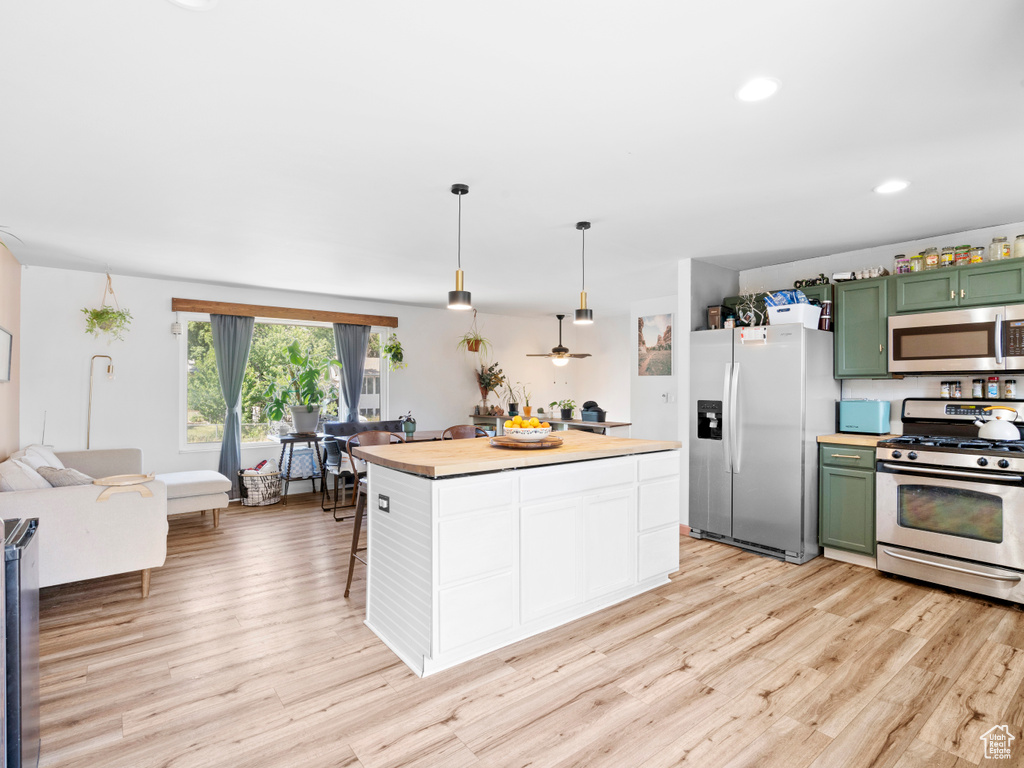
[[110, 320], [391, 350], [472, 341]]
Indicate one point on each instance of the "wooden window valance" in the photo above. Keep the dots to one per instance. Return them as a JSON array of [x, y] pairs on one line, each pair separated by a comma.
[[280, 313]]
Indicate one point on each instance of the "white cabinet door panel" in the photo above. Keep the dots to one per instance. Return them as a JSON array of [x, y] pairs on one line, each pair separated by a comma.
[[549, 557], [474, 545], [609, 533], [658, 552], [659, 503], [476, 610]]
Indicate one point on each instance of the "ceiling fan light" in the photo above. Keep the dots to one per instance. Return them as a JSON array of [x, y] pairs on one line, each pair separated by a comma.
[[560, 361]]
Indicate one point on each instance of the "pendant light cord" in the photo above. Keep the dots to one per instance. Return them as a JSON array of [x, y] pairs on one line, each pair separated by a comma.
[[460, 230], [583, 257]]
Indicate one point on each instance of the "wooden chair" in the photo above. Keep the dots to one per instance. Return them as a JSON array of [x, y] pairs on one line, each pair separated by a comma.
[[377, 437], [462, 432], [357, 526]]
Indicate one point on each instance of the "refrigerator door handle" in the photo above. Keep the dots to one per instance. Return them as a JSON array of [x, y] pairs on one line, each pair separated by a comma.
[[727, 417], [734, 410]]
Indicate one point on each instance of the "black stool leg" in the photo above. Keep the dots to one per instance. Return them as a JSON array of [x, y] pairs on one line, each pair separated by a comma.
[[357, 526]]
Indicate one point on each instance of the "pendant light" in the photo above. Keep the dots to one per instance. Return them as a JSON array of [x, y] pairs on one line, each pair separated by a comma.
[[583, 316], [459, 298]]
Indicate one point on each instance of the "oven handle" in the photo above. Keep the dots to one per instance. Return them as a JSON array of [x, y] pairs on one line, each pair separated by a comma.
[[968, 571], [951, 473]]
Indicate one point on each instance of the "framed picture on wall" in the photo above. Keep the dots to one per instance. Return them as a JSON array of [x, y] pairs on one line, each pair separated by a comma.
[[6, 345], [654, 345]]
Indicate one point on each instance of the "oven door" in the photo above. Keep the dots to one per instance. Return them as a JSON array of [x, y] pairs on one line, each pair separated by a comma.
[[960, 513], [958, 340]]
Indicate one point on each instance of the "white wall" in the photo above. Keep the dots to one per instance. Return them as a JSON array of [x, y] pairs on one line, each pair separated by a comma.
[[605, 377], [654, 400], [140, 407]]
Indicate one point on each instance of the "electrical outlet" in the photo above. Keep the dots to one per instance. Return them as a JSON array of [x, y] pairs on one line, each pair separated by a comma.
[[383, 503]]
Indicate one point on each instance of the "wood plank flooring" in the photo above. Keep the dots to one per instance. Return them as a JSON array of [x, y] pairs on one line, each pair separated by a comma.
[[247, 654]]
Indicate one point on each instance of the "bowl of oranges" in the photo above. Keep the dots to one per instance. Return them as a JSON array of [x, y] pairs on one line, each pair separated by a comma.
[[526, 430]]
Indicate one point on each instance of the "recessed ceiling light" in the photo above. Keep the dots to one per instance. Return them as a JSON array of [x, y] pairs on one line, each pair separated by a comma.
[[194, 5], [758, 89], [894, 185]]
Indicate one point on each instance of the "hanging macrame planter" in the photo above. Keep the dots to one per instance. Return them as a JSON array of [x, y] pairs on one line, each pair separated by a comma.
[[109, 320]]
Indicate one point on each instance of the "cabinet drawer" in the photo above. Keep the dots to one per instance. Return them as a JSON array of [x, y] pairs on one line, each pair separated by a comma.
[[849, 456], [655, 465], [461, 495]]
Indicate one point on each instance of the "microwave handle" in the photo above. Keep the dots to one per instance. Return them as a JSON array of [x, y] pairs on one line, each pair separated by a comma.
[[999, 339]]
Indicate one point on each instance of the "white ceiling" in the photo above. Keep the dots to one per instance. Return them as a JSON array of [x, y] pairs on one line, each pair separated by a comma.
[[311, 145]]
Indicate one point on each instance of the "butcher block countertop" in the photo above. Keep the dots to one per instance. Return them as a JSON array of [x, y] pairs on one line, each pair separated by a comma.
[[443, 458], [863, 441]]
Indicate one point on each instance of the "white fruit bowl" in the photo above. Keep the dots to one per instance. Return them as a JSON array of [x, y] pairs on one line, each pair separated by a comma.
[[527, 434]]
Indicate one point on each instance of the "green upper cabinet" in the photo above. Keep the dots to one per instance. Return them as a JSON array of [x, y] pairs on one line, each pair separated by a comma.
[[861, 329], [818, 293], [995, 283], [934, 289]]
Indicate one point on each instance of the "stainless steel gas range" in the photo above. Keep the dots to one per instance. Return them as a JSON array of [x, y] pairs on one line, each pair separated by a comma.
[[950, 506]]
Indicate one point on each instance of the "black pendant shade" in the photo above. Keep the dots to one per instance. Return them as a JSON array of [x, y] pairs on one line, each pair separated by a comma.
[[583, 315], [460, 297]]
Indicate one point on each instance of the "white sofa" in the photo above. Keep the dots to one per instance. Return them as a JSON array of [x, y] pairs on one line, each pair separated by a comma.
[[83, 538]]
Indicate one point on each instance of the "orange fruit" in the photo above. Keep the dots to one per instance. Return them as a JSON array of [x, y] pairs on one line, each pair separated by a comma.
[[545, 425]]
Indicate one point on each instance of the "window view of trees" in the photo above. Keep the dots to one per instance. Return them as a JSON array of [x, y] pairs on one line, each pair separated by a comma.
[[267, 357]]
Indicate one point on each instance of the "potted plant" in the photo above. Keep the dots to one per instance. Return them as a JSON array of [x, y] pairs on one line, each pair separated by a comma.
[[391, 350], [408, 424], [512, 398], [111, 320], [472, 341], [308, 385], [489, 378], [567, 407], [527, 409]]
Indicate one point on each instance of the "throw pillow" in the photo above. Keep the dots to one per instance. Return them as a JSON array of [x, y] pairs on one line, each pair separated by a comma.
[[16, 476], [37, 456], [61, 478]]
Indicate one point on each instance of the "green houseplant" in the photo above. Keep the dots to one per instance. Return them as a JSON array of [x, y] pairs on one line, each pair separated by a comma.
[[489, 378], [391, 350], [472, 341], [107, 319], [566, 406], [308, 384]]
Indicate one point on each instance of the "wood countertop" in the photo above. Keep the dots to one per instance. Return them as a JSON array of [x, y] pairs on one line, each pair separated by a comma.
[[864, 441], [462, 457]]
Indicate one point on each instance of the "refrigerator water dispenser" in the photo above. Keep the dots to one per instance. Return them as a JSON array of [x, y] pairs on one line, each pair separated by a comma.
[[709, 419]]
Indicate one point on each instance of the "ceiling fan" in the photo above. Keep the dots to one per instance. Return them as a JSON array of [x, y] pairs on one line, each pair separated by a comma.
[[560, 355]]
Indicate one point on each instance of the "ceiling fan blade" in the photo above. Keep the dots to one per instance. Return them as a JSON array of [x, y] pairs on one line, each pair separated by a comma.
[[580, 354], [536, 355]]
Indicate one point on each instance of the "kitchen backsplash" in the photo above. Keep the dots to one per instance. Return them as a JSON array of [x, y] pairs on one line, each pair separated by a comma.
[[897, 390]]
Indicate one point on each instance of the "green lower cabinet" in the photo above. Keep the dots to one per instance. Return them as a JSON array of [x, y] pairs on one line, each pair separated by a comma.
[[846, 508]]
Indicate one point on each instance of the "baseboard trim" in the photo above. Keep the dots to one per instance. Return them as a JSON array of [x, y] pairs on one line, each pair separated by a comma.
[[853, 558]]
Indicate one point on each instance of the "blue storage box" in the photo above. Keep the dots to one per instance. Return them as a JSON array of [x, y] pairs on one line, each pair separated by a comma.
[[870, 417]]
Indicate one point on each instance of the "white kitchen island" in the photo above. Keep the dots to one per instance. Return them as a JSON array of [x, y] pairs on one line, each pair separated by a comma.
[[473, 547]]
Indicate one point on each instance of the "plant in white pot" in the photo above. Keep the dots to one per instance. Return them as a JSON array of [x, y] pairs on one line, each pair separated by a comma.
[[309, 384]]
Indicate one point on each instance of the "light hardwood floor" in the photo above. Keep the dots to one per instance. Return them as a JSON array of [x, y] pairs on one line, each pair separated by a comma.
[[247, 654]]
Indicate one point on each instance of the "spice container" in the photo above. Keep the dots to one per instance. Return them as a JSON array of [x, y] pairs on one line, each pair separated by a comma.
[[1018, 247], [917, 263], [963, 255], [999, 249], [1009, 389], [948, 257], [931, 258], [992, 393], [978, 254], [944, 390], [956, 392], [978, 389], [903, 264]]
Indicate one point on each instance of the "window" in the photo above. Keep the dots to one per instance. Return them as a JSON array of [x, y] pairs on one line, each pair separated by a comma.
[[204, 404]]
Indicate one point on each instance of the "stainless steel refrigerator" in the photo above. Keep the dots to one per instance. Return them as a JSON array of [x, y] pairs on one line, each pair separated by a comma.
[[760, 396]]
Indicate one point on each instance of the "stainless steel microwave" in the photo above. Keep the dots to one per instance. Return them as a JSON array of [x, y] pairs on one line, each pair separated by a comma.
[[984, 339]]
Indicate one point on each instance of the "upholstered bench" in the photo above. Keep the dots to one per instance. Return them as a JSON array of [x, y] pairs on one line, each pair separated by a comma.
[[196, 491]]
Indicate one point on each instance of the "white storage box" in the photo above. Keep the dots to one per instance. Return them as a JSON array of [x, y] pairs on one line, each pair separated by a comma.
[[807, 314]]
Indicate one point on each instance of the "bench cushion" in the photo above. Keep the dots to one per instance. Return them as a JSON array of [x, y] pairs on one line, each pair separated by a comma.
[[198, 482]]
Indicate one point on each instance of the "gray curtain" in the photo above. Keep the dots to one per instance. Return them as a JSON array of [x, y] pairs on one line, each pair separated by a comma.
[[232, 337], [350, 343]]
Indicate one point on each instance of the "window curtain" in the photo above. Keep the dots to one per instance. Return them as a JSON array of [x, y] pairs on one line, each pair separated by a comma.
[[350, 343], [232, 337]]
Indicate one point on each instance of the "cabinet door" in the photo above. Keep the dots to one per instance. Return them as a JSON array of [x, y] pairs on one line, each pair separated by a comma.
[[609, 532], [846, 509], [549, 557], [818, 293], [861, 329], [935, 289], [1001, 282]]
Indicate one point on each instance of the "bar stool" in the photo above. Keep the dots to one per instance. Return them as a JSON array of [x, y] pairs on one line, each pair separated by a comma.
[[357, 526], [373, 437], [335, 464]]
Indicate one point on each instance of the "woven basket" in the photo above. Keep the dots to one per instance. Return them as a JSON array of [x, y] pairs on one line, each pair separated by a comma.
[[259, 490]]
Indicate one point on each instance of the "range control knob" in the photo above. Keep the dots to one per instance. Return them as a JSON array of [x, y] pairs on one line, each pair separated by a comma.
[[982, 462], [912, 455], [1003, 463], [897, 454]]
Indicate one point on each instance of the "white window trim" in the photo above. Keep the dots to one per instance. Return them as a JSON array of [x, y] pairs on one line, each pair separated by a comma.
[[183, 445]]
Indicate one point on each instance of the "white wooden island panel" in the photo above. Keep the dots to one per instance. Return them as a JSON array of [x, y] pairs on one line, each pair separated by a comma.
[[513, 553]]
